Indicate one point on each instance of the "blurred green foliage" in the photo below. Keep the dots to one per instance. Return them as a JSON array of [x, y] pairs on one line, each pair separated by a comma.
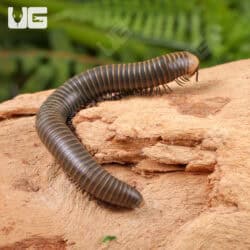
[[82, 34]]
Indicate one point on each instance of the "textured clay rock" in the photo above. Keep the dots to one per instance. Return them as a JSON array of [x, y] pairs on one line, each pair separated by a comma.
[[186, 152]]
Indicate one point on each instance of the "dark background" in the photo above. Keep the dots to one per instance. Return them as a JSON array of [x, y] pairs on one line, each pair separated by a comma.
[[82, 34]]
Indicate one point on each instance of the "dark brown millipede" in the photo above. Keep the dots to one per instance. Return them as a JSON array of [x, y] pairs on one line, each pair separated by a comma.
[[96, 84]]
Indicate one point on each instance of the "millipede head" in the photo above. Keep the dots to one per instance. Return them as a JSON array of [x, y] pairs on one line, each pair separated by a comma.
[[193, 65]]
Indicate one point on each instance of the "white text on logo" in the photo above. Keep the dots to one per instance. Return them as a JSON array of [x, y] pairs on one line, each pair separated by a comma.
[[29, 18]]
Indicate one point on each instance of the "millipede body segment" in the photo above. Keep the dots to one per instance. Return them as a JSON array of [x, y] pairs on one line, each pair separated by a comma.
[[99, 83]]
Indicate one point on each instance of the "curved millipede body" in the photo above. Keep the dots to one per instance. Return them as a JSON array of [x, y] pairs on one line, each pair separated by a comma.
[[99, 83]]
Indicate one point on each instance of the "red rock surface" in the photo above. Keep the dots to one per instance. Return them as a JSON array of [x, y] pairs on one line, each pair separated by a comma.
[[186, 152]]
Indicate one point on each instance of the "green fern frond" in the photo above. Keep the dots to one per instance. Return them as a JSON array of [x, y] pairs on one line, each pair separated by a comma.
[[157, 22]]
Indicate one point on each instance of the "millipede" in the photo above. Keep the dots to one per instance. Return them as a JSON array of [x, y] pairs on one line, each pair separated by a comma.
[[100, 83]]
